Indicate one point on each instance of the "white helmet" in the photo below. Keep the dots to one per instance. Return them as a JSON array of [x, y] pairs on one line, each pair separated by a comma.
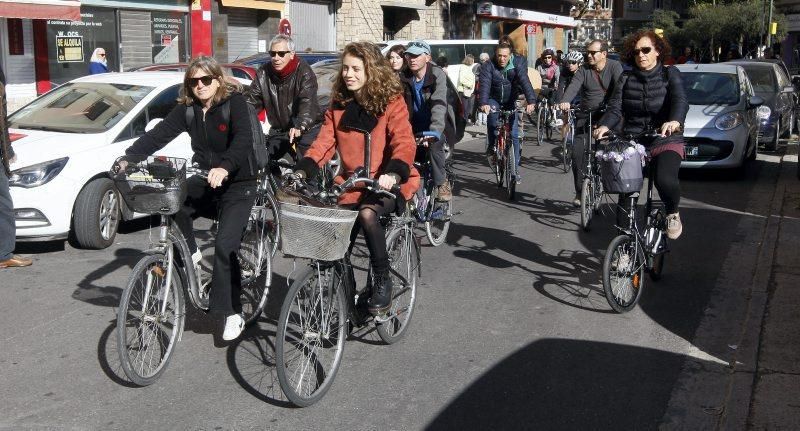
[[574, 56]]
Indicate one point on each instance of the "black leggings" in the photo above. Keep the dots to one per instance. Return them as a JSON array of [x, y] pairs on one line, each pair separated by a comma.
[[370, 210], [666, 165]]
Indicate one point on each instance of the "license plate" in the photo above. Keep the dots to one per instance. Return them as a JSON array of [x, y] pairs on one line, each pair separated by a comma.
[[692, 151]]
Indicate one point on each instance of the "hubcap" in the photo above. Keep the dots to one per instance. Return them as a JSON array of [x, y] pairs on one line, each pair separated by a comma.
[[109, 214]]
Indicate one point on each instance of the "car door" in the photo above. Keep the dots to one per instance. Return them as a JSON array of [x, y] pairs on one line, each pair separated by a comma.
[[158, 107], [750, 111], [785, 102]]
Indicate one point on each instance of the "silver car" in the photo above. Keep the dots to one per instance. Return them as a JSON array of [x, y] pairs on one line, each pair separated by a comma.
[[721, 127]]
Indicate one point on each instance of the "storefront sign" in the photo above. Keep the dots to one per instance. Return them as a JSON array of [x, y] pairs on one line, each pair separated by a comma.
[[485, 8], [528, 15], [69, 49], [167, 41], [530, 29]]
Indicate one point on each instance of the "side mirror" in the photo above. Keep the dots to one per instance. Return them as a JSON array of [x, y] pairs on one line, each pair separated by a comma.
[[152, 124], [755, 101], [788, 89]]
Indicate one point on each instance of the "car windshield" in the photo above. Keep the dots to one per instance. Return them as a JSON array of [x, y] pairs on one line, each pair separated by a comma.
[[762, 78], [708, 88], [80, 107]]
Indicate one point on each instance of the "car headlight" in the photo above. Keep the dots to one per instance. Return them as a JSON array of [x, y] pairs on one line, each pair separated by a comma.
[[729, 120], [763, 112], [38, 174]]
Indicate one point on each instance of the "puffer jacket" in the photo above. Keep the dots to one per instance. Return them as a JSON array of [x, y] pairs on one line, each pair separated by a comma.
[[6, 152], [289, 102], [644, 100], [504, 86]]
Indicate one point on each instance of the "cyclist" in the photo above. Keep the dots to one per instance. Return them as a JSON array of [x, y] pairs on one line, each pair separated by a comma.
[[550, 72], [225, 149], [572, 62], [593, 82], [652, 96], [286, 87], [501, 82], [425, 91], [368, 96]]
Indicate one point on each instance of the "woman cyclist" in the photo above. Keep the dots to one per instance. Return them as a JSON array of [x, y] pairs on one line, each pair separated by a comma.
[[550, 73], [652, 97], [367, 97], [225, 148]]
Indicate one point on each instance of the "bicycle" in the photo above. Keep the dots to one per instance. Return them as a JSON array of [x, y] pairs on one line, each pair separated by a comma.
[[436, 214], [635, 250], [567, 141], [150, 318], [592, 186], [505, 162], [323, 301], [544, 119]]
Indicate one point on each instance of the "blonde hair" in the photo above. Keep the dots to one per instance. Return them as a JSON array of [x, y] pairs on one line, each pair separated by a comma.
[[382, 84], [210, 66]]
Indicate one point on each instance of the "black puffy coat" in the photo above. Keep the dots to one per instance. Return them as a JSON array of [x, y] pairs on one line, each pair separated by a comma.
[[643, 100]]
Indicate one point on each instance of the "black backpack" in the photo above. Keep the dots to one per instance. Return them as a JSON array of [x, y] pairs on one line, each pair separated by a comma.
[[458, 124], [260, 157]]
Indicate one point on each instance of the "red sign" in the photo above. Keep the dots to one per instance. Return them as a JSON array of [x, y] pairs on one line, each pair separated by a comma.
[[530, 29], [285, 27]]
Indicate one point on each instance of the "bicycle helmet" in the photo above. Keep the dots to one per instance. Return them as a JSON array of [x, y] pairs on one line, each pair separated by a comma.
[[574, 56]]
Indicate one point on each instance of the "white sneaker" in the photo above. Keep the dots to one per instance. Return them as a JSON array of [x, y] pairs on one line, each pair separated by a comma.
[[674, 226], [234, 325]]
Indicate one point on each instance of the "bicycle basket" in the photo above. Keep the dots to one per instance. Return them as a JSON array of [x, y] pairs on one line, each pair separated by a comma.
[[321, 233], [621, 165], [155, 185]]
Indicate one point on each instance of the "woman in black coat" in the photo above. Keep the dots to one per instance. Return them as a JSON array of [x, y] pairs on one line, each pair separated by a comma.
[[223, 146], [651, 98]]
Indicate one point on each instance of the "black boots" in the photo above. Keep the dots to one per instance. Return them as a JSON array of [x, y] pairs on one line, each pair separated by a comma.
[[381, 297]]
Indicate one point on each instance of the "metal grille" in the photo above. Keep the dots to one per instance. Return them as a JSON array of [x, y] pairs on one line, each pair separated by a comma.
[[314, 232]]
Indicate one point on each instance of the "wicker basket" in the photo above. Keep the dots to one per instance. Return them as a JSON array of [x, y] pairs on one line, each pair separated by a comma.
[[320, 233]]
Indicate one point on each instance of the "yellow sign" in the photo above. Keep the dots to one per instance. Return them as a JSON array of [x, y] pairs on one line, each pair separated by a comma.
[[69, 49], [773, 28]]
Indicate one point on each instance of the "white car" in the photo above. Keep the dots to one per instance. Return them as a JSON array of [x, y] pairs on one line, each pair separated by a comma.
[[67, 140]]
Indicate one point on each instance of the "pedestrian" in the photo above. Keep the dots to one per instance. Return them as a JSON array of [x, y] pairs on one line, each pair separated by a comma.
[[465, 84], [7, 228], [484, 58], [98, 63], [396, 59]]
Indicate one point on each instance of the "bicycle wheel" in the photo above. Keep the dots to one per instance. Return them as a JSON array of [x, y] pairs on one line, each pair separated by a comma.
[[438, 215], [149, 320], [499, 162], [405, 269], [541, 118], [548, 126], [255, 259], [598, 193], [587, 203], [566, 150], [312, 329], [511, 177], [623, 274]]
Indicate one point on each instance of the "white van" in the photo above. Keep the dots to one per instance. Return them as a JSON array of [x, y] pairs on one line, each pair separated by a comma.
[[453, 49]]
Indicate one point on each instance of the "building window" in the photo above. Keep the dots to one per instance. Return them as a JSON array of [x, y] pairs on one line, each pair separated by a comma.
[[16, 39]]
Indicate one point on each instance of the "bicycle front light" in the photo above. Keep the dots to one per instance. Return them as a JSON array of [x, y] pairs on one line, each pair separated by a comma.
[[763, 112], [729, 120], [38, 174]]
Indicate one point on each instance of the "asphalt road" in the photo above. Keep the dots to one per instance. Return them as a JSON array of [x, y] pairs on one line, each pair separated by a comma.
[[512, 330]]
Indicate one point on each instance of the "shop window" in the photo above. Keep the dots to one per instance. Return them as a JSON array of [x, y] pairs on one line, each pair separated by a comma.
[[16, 38]]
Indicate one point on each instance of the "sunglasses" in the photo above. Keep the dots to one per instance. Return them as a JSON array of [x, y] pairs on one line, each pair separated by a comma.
[[573, 62], [592, 52], [206, 80], [548, 57], [644, 49], [101, 55], [278, 53]]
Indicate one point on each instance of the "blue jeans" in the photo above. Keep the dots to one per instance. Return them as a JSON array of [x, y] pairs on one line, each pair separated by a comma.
[[8, 230], [491, 129]]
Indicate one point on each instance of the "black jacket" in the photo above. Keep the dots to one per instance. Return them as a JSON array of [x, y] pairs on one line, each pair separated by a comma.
[[289, 102], [215, 142], [644, 100]]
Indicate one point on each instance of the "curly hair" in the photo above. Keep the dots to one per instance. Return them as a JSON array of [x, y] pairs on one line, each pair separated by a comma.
[[661, 45], [210, 66], [382, 83]]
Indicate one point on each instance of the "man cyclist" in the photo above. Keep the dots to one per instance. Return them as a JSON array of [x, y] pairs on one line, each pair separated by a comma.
[[286, 87], [501, 82], [594, 83], [425, 91]]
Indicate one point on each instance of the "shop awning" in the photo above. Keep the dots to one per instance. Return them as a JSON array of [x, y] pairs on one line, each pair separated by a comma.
[[403, 5], [276, 5], [41, 9]]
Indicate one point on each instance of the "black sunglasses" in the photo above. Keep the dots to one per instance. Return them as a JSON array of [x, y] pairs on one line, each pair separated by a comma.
[[592, 52], [206, 80], [547, 57], [101, 55], [280, 53], [573, 62], [644, 49]]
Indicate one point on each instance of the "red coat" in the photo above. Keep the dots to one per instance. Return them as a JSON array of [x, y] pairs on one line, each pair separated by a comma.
[[392, 139]]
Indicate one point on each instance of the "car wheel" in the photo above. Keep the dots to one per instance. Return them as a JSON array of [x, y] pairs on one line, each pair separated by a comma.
[[772, 145], [95, 218]]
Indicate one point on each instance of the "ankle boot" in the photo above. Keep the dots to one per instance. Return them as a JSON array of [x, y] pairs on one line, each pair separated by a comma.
[[381, 297]]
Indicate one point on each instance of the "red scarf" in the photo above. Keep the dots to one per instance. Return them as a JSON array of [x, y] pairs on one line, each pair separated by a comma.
[[288, 70]]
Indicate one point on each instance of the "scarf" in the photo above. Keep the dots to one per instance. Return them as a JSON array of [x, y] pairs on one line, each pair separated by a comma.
[[551, 71], [286, 71]]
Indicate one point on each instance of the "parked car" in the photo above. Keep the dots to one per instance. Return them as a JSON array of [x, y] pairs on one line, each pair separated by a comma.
[[722, 125], [236, 70], [255, 61], [770, 81], [67, 139]]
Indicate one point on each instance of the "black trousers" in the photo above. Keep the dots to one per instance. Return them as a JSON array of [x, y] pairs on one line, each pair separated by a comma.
[[370, 210], [278, 142], [666, 165], [231, 204]]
